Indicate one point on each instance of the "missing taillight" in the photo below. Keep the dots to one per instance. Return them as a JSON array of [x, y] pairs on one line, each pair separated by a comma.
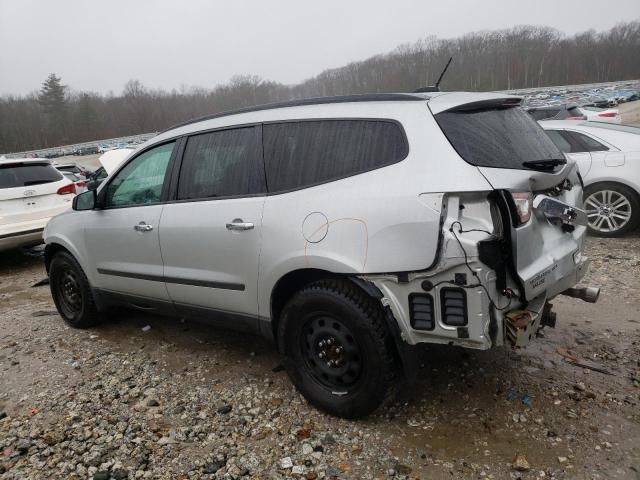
[[524, 205]]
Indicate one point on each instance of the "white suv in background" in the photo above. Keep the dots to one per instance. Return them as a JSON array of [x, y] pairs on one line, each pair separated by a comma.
[[31, 192], [348, 230]]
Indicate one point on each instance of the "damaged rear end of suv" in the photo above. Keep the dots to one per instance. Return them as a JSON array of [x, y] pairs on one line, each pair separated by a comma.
[[504, 253]]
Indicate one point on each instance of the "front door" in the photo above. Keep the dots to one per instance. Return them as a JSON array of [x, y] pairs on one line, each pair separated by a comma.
[[210, 235], [123, 234]]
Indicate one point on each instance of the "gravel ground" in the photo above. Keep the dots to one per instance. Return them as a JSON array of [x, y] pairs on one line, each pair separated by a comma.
[[180, 400]]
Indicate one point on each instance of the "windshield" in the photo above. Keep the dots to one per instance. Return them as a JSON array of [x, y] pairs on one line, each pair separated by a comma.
[[497, 137], [14, 175]]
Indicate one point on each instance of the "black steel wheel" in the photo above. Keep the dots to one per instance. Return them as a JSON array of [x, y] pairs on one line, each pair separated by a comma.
[[338, 350], [71, 292], [330, 351]]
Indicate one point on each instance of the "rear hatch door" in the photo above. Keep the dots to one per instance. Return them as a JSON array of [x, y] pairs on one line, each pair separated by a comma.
[[518, 159]]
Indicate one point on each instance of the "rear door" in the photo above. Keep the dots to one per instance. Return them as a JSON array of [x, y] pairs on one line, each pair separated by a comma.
[[210, 233], [122, 237]]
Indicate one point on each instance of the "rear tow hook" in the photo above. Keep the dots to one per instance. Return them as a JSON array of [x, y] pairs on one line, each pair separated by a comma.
[[588, 294]]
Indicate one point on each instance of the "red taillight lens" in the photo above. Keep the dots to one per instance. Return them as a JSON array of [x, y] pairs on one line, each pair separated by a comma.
[[608, 114], [524, 205], [67, 189], [81, 184]]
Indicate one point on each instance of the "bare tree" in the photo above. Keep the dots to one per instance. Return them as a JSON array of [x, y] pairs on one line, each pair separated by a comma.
[[520, 57]]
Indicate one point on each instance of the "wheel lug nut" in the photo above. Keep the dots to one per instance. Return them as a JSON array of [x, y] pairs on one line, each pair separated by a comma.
[[330, 341], [321, 343], [321, 355], [338, 349]]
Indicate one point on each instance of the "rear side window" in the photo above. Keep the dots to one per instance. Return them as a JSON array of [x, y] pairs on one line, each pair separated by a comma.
[[497, 137], [301, 154], [221, 164], [574, 142], [591, 145], [563, 145], [15, 175]]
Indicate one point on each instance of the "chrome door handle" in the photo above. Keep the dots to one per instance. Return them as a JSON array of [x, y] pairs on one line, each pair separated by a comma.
[[143, 227], [238, 224]]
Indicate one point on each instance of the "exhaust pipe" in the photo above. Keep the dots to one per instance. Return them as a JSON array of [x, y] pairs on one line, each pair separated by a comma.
[[588, 294]]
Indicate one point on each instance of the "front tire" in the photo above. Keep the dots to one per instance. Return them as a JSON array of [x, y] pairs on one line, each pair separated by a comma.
[[339, 353], [71, 292], [612, 209]]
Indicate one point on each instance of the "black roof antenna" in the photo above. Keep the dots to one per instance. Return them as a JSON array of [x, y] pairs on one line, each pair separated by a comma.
[[436, 87]]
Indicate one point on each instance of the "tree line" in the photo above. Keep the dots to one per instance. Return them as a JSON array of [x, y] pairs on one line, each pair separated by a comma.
[[520, 57]]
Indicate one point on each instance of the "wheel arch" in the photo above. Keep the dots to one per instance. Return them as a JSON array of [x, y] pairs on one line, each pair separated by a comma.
[[286, 287], [616, 180], [50, 250]]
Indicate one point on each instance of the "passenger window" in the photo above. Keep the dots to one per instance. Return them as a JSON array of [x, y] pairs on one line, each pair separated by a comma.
[[591, 144], [140, 181], [562, 144], [301, 154], [221, 164]]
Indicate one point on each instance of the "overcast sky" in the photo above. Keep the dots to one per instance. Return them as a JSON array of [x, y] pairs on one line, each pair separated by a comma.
[[99, 45]]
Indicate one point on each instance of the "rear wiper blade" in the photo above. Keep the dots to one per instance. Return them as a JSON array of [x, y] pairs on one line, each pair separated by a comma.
[[545, 164]]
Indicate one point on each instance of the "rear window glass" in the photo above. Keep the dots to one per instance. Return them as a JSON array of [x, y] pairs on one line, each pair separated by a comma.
[[15, 175], [497, 137], [301, 154]]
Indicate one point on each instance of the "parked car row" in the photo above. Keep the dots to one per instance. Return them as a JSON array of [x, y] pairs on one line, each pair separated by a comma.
[[601, 96], [574, 112], [74, 168]]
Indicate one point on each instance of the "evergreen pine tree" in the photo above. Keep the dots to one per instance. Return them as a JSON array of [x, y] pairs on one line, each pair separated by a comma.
[[52, 99]]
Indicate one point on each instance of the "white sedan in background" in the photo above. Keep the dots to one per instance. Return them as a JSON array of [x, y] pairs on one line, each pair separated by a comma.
[[608, 156], [31, 192], [605, 115]]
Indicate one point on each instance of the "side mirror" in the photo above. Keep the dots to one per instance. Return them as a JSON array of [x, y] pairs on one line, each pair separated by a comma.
[[84, 201]]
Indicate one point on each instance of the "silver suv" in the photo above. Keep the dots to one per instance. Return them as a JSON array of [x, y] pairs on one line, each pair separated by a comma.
[[348, 230]]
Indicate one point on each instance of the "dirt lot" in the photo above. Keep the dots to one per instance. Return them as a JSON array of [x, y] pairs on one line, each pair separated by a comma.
[[182, 400], [630, 113]]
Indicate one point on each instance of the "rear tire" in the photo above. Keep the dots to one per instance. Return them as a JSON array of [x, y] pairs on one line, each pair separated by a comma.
[[612, 209], [71, 292], [338, 351]]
